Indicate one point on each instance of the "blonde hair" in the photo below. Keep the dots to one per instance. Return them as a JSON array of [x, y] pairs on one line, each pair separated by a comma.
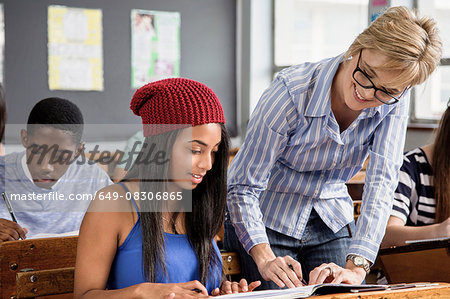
[[411, 43]]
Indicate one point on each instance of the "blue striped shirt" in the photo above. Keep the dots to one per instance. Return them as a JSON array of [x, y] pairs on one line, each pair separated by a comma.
[[294, 158]]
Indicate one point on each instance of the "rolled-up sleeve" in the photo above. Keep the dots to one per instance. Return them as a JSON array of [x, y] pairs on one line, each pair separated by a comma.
[[385, 159]]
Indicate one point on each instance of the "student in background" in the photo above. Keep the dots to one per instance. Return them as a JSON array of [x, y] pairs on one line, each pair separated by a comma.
[[2, 119], [309, 134], [49, 189], [163, 248], [422, 200]]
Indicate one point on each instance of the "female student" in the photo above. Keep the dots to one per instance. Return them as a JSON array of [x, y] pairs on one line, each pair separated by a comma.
[[156, 241], [422, 200], [309, 134]]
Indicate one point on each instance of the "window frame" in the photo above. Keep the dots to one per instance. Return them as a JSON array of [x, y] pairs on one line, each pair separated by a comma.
[[414, 122]]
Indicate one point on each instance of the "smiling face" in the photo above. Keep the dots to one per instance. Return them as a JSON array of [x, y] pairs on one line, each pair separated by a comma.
[[48, 152], [356, 97], [193, 155]]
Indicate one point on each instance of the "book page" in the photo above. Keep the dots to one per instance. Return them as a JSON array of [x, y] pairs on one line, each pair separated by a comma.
[[427, 240], [44, 235], [301, 292]]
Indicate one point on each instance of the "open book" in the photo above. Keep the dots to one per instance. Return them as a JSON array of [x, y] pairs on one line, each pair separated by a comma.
[[44, 235], [305, 291], [427, 240]]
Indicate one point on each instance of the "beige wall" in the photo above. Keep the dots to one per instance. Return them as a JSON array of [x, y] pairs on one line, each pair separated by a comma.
[[418, 137]]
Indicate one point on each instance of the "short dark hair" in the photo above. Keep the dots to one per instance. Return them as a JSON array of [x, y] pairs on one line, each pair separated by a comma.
[[58, 113], [2, 112]]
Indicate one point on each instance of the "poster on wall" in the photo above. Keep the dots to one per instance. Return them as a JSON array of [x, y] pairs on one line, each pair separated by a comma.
[[75, 53], [2, 42], [155, 46]]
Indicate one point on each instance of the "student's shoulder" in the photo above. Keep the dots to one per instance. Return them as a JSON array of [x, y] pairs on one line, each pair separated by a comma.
[[12, 163], [112, 198], [415, 157], [12, 158], [415, 162]]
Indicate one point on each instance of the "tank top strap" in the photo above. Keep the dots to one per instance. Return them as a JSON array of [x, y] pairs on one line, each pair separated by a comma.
[[132, 199]]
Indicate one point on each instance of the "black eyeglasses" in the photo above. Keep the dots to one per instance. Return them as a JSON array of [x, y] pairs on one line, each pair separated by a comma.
[[364, 81]]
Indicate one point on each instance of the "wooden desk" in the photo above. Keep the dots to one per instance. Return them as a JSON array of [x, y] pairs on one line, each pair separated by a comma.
[[37, 267], [426, 261], [440, 291], [43, 267]]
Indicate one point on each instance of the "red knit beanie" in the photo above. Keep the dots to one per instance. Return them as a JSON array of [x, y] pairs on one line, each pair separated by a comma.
[[175, 101]]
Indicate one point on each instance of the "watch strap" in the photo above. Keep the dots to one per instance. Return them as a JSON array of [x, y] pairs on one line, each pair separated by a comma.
[[365, 264]]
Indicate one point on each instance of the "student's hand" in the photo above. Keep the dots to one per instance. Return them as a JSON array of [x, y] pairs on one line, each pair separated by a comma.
[[190, 289], [332, 273], [10, 231], [229, 287], [284, 271]]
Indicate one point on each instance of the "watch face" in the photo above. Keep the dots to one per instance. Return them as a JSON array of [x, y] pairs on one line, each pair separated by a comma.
[[359, 261]]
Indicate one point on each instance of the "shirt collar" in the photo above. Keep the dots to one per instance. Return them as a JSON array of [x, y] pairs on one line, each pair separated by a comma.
[[319, 104]]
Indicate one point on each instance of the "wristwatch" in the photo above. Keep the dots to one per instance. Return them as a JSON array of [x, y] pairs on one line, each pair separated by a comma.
[[359, 261]]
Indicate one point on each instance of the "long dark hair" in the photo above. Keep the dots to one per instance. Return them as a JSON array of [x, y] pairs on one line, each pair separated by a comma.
[[441, 167], [208, 206]]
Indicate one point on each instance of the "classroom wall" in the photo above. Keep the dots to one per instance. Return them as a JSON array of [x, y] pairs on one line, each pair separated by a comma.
[[208, 42], [417, 138]]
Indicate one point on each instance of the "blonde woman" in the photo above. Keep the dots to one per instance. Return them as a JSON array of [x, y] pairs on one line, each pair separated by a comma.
[[309, 134]]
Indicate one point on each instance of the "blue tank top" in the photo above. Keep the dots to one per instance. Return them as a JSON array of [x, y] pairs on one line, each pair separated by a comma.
[[180, 258]]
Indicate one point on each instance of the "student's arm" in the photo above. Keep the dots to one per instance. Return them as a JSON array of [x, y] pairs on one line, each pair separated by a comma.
[[397, 232], [100, 234], [267, 137], [10, 231]]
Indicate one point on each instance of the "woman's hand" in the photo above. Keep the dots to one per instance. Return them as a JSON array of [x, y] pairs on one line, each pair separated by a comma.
[[190, 289], [332, 273], [229, 287], [284, 271]]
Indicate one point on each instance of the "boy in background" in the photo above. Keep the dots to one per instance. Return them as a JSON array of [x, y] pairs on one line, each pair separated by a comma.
[[49, 188]]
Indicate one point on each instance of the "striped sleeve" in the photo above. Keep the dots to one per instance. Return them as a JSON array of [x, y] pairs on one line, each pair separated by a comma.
[[402, 196], [386, 154], [249, 171]]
